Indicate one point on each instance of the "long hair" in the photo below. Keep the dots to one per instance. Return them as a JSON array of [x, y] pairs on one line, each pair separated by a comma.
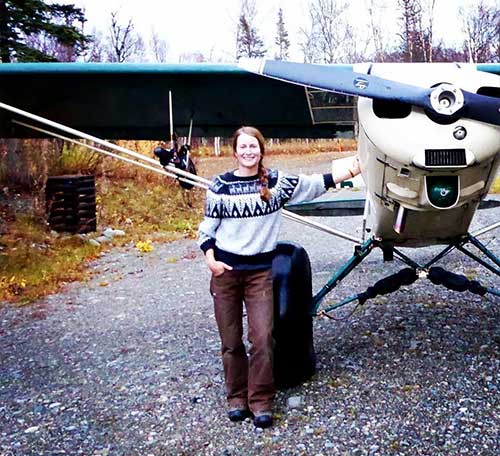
[[265, 193]]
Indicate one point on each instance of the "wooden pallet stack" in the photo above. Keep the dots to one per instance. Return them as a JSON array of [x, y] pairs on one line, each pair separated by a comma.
[[71, 203]]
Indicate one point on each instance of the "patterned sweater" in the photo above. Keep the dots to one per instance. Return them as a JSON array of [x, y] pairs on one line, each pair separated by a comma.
[[242, 228]]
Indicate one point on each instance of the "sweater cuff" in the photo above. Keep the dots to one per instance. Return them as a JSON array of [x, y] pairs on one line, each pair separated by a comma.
[[207, 245], [328, 181]]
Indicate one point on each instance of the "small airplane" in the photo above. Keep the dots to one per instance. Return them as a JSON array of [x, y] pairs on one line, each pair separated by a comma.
[[428, 142]]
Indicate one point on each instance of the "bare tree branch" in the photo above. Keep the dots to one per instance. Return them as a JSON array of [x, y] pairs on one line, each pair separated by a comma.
[[159, 47], [330, 38], [122, 40], [482, 31]]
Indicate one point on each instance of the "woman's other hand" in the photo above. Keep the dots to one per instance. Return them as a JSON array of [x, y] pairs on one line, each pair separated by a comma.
[[216, 267]]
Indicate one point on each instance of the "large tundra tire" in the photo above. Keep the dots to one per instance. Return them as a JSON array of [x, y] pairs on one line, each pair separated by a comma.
[[294, 357]]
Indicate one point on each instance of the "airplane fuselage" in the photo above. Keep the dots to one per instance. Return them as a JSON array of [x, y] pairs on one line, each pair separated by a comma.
[[425, 176]]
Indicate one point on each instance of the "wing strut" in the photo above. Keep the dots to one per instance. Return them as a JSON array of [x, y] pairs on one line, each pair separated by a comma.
[[171, 117], [111, 154], [200, 181]]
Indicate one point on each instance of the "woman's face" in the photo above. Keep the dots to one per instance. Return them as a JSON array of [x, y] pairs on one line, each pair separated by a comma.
[[248, 152]]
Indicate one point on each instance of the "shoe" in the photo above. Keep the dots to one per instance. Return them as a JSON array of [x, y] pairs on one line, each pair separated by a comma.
[[238, 414], [263, 420]]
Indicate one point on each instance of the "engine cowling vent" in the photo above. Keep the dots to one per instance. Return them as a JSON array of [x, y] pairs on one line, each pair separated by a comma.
[[445, 157]]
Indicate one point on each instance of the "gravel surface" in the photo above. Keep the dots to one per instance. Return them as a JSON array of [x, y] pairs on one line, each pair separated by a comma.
[[128, 364]]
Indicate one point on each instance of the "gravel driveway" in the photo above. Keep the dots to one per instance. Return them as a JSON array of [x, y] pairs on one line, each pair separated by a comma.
[[128, 364]]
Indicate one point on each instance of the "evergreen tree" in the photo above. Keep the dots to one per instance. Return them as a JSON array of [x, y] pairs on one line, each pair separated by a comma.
[[281, 39], [248, 42], [22, 19]]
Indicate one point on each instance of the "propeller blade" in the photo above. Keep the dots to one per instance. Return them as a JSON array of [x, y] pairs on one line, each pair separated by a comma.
[[444, 99], [481, 107]]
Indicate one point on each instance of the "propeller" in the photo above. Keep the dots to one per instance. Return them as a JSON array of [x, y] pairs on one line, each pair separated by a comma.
[[443, 100]]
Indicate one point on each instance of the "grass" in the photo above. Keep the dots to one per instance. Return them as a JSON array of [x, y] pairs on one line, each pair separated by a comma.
[[495, 188], [35, 261], [160, 207]]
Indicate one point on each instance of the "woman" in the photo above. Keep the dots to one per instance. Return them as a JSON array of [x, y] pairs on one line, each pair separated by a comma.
[[238, 236]]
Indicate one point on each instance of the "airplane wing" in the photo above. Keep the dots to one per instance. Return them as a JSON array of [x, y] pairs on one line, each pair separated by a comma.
[[130, 101], [493, 68]]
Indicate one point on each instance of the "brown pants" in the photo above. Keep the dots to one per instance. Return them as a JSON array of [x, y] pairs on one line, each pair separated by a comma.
[[249, 382]]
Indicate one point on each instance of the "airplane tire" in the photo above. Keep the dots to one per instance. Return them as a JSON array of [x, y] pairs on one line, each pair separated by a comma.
[[294, 357]]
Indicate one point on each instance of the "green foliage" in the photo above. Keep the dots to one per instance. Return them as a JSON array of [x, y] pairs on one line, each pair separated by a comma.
[[495, 188], [34, 261], [75, 160], [159, 206], [21, 20]]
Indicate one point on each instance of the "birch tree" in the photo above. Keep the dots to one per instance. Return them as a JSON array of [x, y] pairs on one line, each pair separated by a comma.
[[159, 47], [376, 30], [481, 26], [329, 37], [417, 21]]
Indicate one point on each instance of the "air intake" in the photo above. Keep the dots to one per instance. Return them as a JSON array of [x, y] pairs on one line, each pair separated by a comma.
[[445, 157]]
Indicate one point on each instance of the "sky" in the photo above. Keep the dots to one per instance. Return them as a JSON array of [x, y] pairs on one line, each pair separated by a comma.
[[209, 26]]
